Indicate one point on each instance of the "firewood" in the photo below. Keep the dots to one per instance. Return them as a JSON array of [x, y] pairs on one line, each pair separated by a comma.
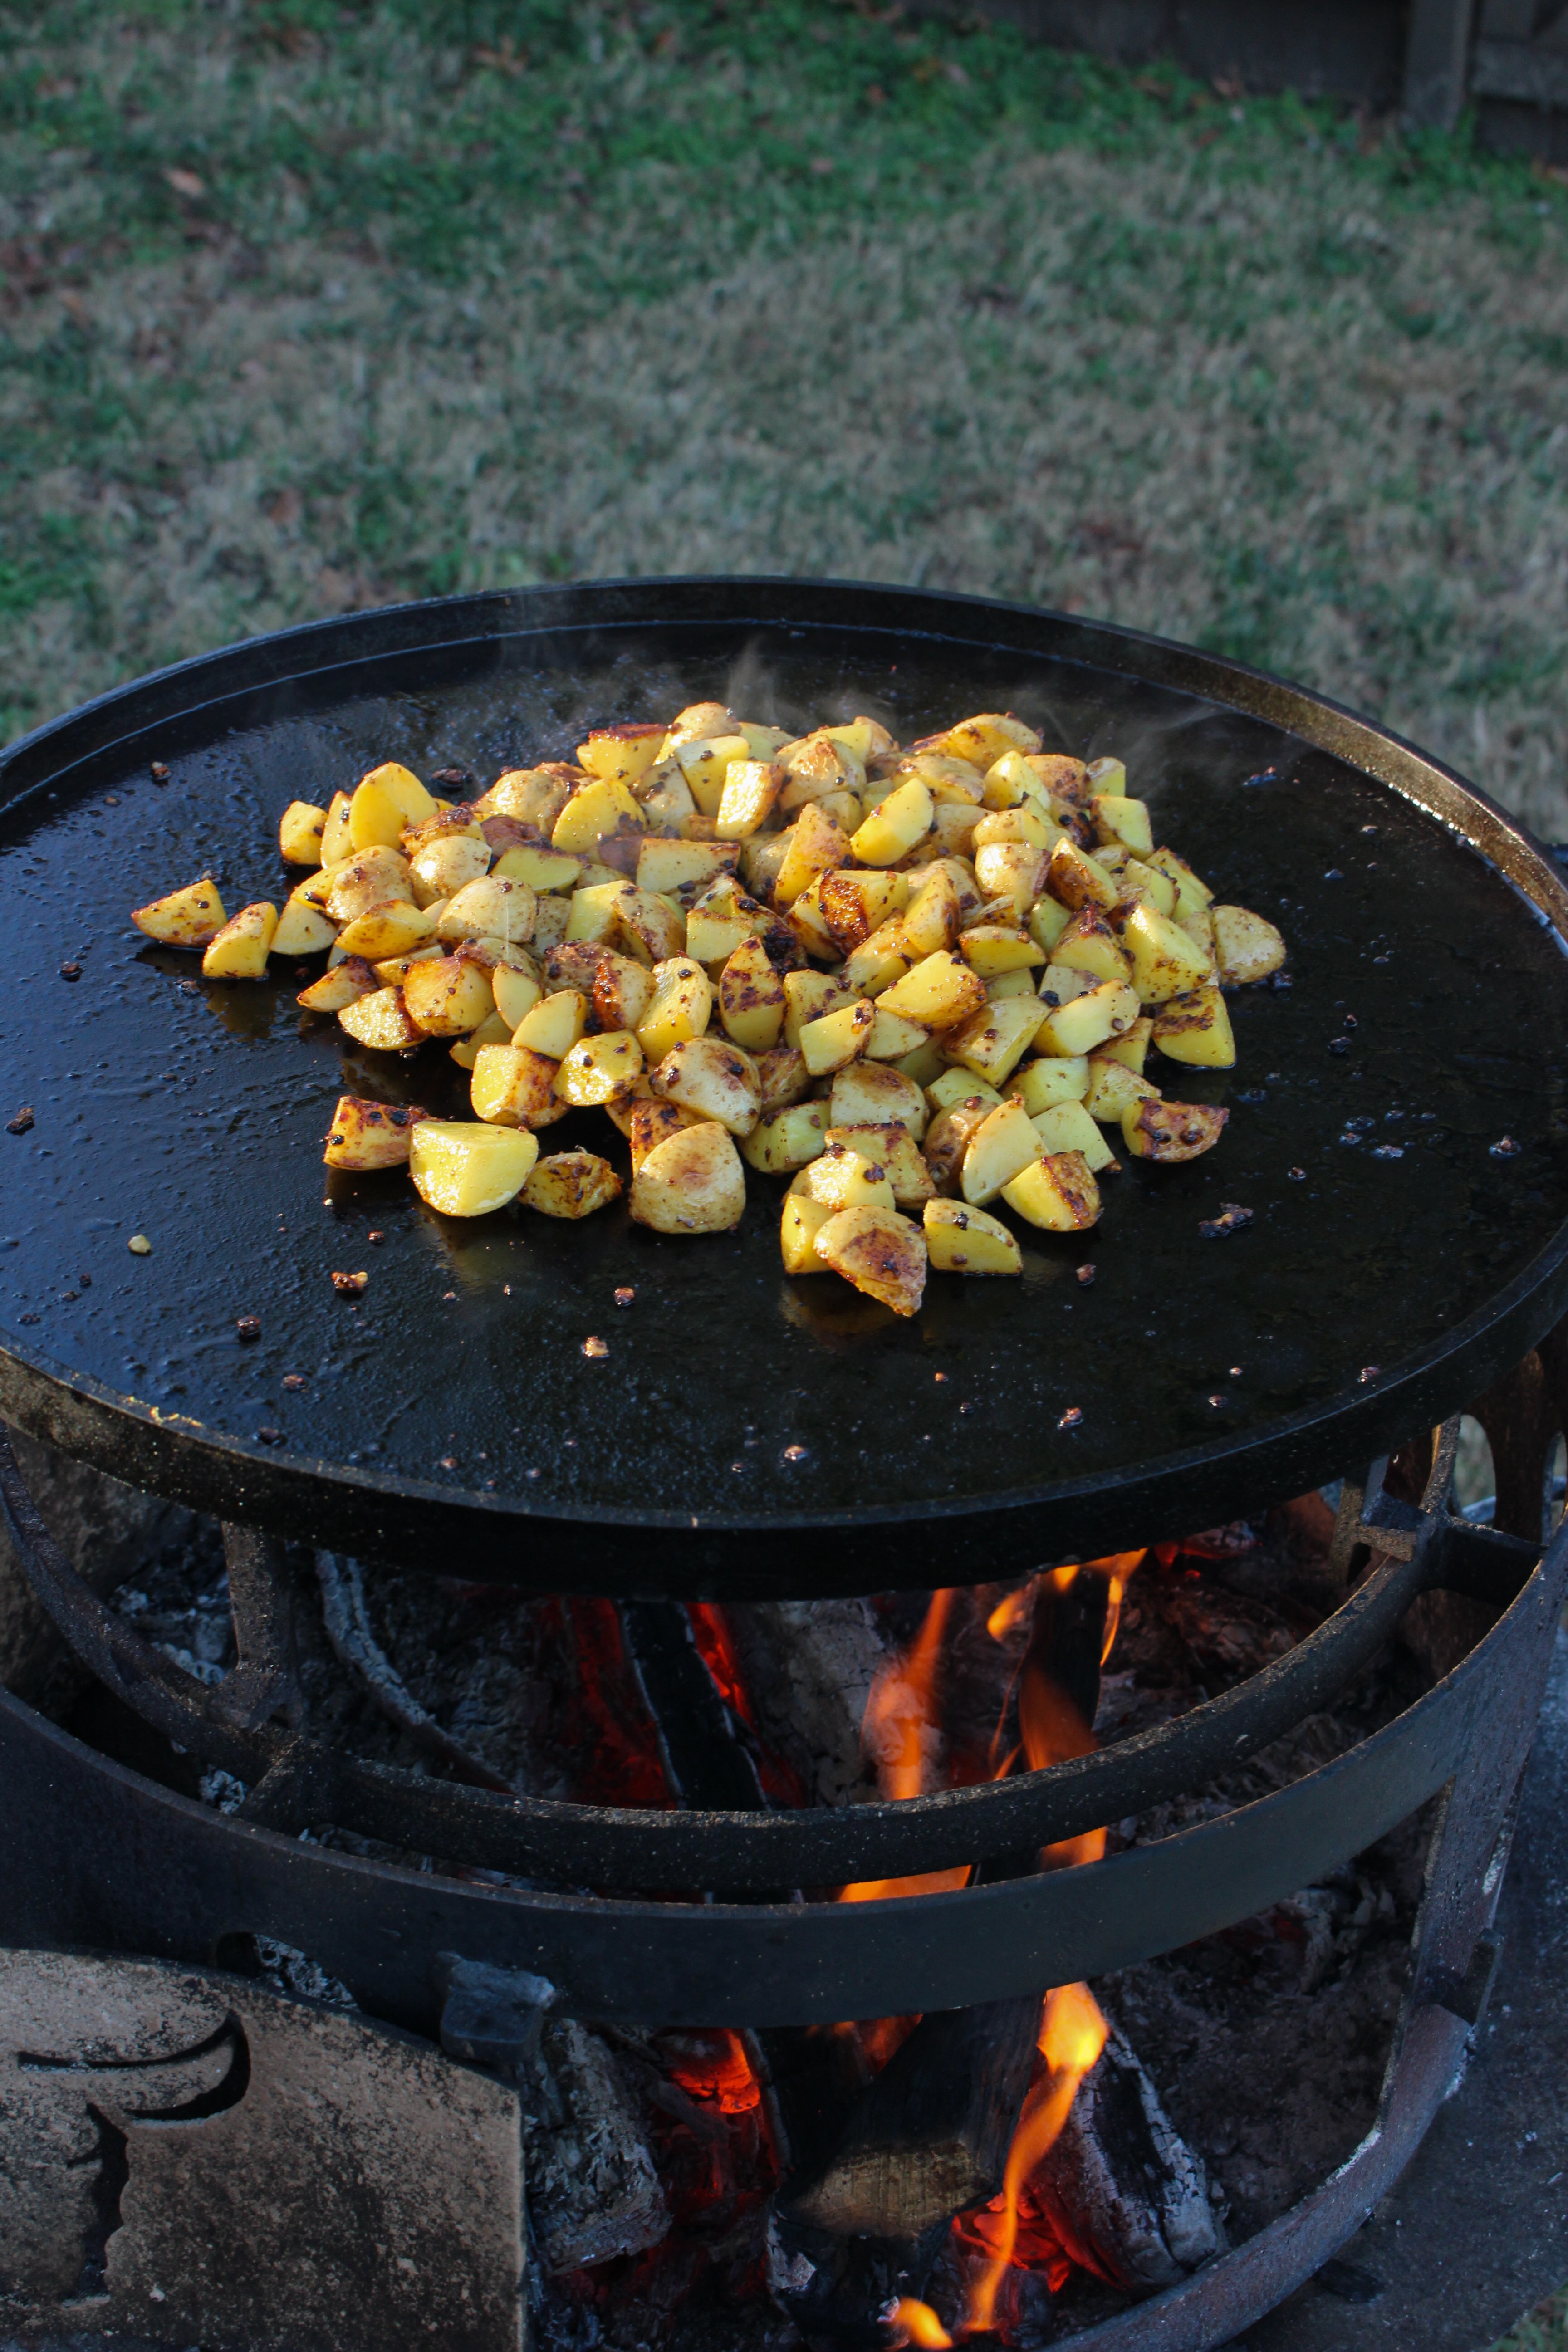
[[593, 2191], [809, 1666]]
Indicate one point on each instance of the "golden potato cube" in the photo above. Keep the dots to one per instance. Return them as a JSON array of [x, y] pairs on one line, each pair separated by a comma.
[[817, 846], [1055, 1078], [1088, 1020], [985, 739], [342, 985], [380, 1019], [1107, 775], [1089, 944], [191, 917], [1010, 983], [836, 1037], [872, 968], [1142, 884], [516, 995], [816, 769], [719, 921], [1012, 874], [620, 755], [1245, 946], [705, 764], [1111, 1087], [866, 738], [1116, 818], [894, 826], [621, 993], [375, 817], [491, 1031], [1010, 781], [790, 1139], [571, 1184], [995, 1040], [367, 879], [597, 1069], [366, 1135], [300, 832], [681, 1003], [1002, 1144], [1067, 1127], [1059, 1192], [1027, 824], [442, 867], [1077, 880], [392, 929], [593, 912], [1165, 961], [806, 921], [930, 921], [991, 948], [892, 1038], [533, 797], [749, 789], [404, 787], [553, 1024], [1172, 1131], [783, 1077], [682, 870], [854, 905], [317, 889], [889, 1145], [952, 784], [648, 925], [957, 1086], [542, 869], [513, 1086], [752, 998], [803, 1220], [866, 1093], [489, 908], [337, 842], [1049, 919], [1199, 928], [1131, 1049], [939, 991], [602, 806], [447, 996], [964, 1240], [466, 1170], [693, 1182], [845, 1178], [698, 720], [1063, 983], [1192, 893], [881, 1252], [302, 928], [550, 920], [947, 1136], [646, 1122], [714, 1078], [953, 830], [240, 950], [808, 996], [1196, 1028]]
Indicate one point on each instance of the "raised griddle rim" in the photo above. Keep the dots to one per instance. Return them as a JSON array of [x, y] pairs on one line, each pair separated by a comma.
[[391, 1518]]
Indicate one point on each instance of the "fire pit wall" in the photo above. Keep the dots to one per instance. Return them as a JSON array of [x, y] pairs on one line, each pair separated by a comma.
[[996, 2151]]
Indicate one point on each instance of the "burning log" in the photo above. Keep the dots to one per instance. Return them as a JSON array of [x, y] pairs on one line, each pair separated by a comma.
[[593, 2190], [809, 1666]]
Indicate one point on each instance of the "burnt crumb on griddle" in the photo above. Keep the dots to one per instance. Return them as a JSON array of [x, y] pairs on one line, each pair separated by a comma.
[[22, 1122], [160, 772], [249, 1326], [349, 1285], [1232, 1219]]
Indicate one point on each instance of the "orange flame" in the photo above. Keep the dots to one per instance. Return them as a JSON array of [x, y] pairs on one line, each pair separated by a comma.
[[1072, 2034], [711, 2067], [916, 2323], [1010, 1611], [900, 1734]]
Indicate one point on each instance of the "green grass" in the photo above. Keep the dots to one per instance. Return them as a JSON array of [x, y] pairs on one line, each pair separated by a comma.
[[444, 295], [1544, 2329]]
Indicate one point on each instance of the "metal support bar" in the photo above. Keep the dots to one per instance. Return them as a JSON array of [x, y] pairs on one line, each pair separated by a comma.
[[1437, 54]]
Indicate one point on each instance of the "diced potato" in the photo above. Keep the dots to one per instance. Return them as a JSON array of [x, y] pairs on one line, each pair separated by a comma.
[[491, 1031], [873, 967], [300, 832], [985, 739], [1010, 781], [843, 1178], [571, 1184], [1199, 928], [375, 816], [808, 996], [667, 802], [866, 738], [719, 920], [1131, 1049], [1172, 1131], [380, 1019], [1049, 919], [836, 1037], [1059, 1192], [622, 992], [513, 1086], [783, 1077], [460, 824], [698, 720], [789, 1139], [553, 1025], [1111, 1087], [392, 929], [710, 1076], [930, 921], [442, 867], [964, 1240], [1067, 1127], [751, 788], [1246, 946], [683, 869], [803, 1220], [1011, 983], [816, 767], [516, 995], [1115, 817], [240, 950], [647, 925], [540, 868], [1027, 824], [705, 764], [575, 963], [346, 982], [989, 949], [593, 915], [366, 879], [952, 831], [303, 929], [815, 845], [316, 888], [752, 998], [597, 1069], [1077, 881], [1002, 1143], [881, 1252], [191, 917], [892, 829], [939, 991], [995, 1041], [1165, 961], [865, 1093], [952, 784], [1196, 1028], [602, 806], [447, 996], [1108, 775], [947, 1137], [1089, 944], [491, 909], [890, 1146], [1141, 882], [366, 1135], [649, 1123], [1088, 1020], [533, 795], [892, 1037], [404, 789], [957, 1086], [693, 1182], [337, 843], [1014, 874], [1063, 983], [682, 1003], [1192, 893], [806, 923], [550, 920], [1055, 1079], [621, 755], [466, 1171], [854, 905]]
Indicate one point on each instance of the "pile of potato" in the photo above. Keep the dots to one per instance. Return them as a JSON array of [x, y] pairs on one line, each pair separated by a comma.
[[914, 981]]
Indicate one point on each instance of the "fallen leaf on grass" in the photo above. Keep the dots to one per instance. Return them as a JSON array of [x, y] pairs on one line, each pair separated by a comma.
[[185, 183]]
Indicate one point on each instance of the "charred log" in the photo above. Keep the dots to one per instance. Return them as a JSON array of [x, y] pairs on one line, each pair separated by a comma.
[[593, 2190], [809, 1666]]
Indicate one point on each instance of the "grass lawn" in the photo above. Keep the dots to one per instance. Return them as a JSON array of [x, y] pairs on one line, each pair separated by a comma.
[[305, 306]]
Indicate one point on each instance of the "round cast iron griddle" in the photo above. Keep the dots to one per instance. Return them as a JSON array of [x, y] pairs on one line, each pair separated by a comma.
[[747, 1434]]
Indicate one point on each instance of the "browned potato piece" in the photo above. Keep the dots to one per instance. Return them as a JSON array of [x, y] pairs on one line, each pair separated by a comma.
[[782, 1076], [964, 1240], [894, 1147], [881, 1252], [391, 927], [191, 917], [448, 995], [939, 991], [752, 998], [790, 1140], [570, 1184], [514, 1087], [947, 1138], [1004, 1143], [816, 844], [381, 1019], [646, 926], [1196, 1028], [623, 754], [1059, 1192], [351, 979], [1077, 880], [366, 1135], [710, 1076], [1172, 1131], [653, 1123], [597, 1069], [693, 1182], [802, 1220], [622, 990], [300, 833], [360, 883], [1246, 946], [865, 1093], [240, 949]]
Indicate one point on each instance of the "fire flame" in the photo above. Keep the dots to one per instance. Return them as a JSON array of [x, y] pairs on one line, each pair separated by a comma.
[[711, 2067], [1073, 2033], [917, 2323], [900, 1734]]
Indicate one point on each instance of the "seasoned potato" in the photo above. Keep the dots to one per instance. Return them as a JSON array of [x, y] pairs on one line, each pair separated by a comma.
[[621, 993], [816, 767], [571, 1184], [468, 1171], [964, 1240], [442, 867], [1111, 1087], [853, 904], [1117, 818], [1027, 824], [958, 1085], [1077, 881], [693, 1182], [1107, 775], [845, 1178], [1059, 1192], [993, 1043], [620, 755], [892, 1038], [1088, 1020], [803, 1220], [826, 1043], [491, 1031], [817, 846], [939, 991], [931, 921], [648, 926], [347, 981], [1089, 944], [866, 1093], [808, 996], [1172, 1131], [447, 996], [512, 1085], [300, 833], [393, 927], [303, 929], [550, 916], [534, 796], [679, 1009], [720, 919], [240, 950], [1131, 1048], [894, 826], [891, 1147], [1165, 961], [1055, 1078], [749, 789], [489, 908], [366, 1135], [650, 1123], [526, 861], [788, 1140], [706, 763], [752, 998], [990, 948], [985, 739], [881, 1252], [1067, 1127], [366, 880], [1002, 1144], [1012, 874], [871, 968], [1191, 894], [191, 917], [597, 1069], [1248, 948], [947, 1137], [782, 1076], [337, 844], [1140, 885], [710, 1076], [404, 788], [553, 1025], [516, 995], [1196, 1028], [683, 870], [375, 816], [602, 806], [1049, 919], [381, 1019]]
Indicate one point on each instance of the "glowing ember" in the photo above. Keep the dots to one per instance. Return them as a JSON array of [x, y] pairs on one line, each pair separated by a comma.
[[902, 1736], [915, 2323], [711, 2067]]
